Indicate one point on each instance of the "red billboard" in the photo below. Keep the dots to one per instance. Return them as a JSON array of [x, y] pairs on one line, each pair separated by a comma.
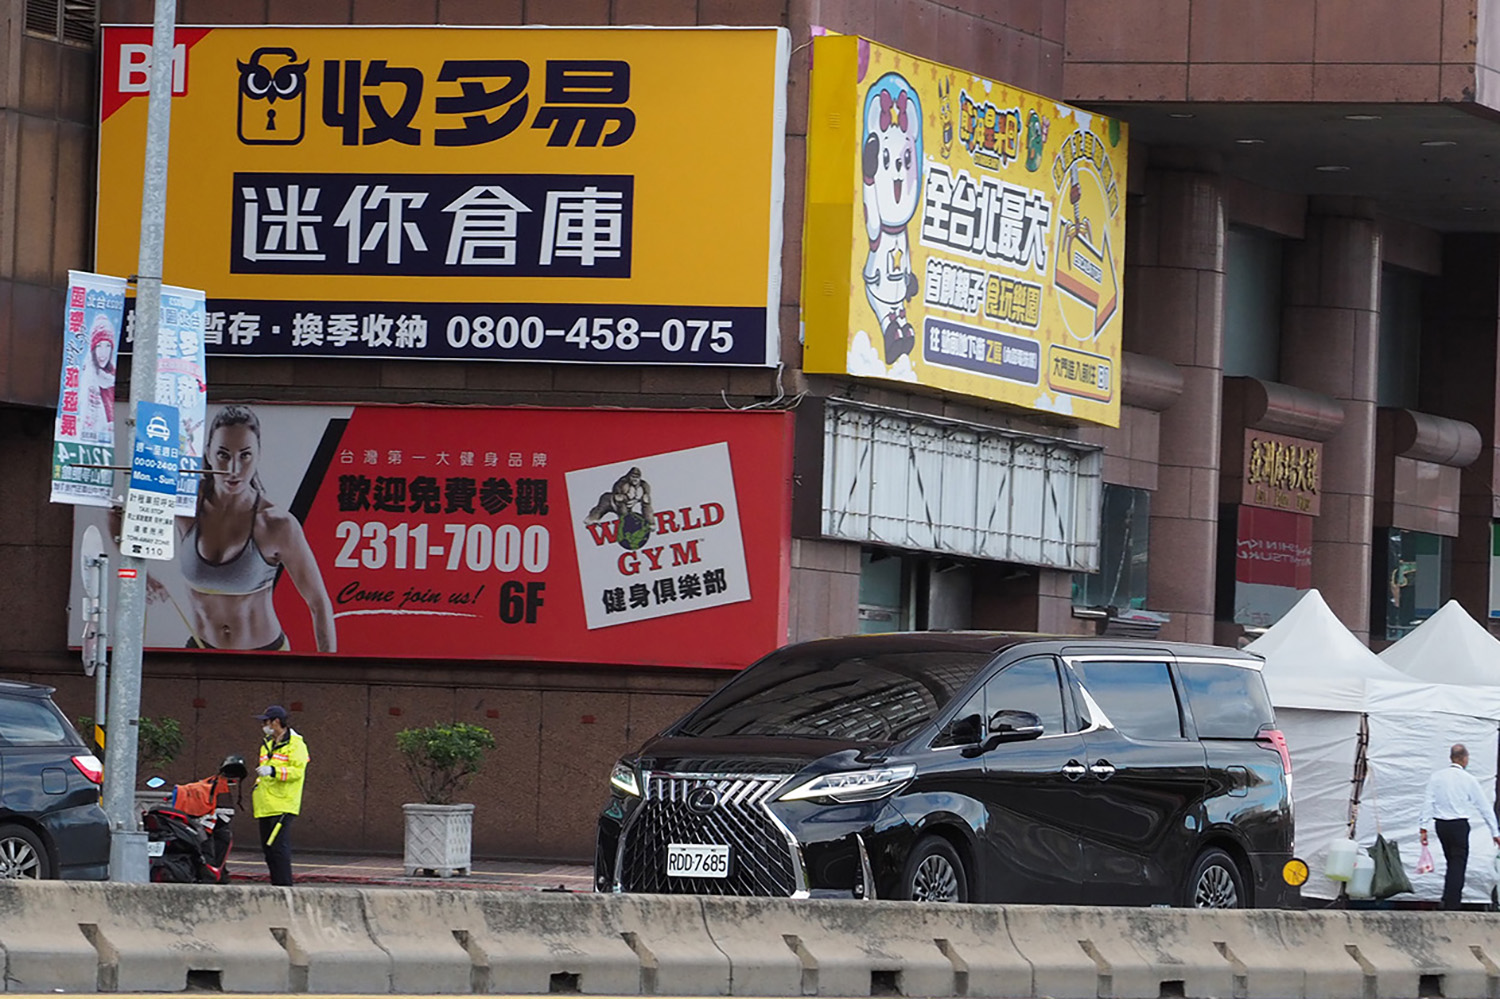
[[561, 535]]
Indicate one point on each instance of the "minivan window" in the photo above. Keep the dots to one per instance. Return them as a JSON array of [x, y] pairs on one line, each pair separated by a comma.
[[1228, 702], [803, 692], [27, 721], [1029, 685], [1138, 697]]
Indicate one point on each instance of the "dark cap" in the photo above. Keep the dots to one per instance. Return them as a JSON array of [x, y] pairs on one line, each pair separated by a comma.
[[274, 711]]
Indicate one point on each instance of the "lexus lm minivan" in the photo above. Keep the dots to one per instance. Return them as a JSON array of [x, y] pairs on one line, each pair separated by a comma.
[[963, 766]]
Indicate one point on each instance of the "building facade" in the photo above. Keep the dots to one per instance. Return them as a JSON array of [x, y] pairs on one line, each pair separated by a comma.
[[1289, 383]]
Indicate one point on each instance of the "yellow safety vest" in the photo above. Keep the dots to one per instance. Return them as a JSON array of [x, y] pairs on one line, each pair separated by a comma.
[[281, 793]]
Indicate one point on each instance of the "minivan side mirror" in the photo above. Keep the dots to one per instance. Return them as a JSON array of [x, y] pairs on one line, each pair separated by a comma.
[[1012, 726], [964, 731]]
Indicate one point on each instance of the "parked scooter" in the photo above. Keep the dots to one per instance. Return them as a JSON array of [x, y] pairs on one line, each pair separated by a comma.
[[190, 836]]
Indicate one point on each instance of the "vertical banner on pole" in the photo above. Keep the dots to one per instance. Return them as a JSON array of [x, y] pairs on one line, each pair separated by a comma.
[[180, 381], [84, 431]]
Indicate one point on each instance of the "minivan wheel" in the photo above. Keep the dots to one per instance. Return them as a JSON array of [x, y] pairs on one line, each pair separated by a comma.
[[1216, 882], [22, 854], [934, 873]]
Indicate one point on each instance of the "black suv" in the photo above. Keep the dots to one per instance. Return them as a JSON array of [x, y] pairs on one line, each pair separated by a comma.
[[965, 767], [51, 824]]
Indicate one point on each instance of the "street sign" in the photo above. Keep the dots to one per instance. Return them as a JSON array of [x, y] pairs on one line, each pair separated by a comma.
[[151, 503], [93, 564]]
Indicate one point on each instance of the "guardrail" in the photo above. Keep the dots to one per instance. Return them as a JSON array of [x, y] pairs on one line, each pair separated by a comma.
[[101, 937]]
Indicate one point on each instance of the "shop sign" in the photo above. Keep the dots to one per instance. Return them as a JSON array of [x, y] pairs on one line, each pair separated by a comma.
[[961, 233], [1282, 473], [518, 194], [1272, 564], [549, 535], [83, 438]]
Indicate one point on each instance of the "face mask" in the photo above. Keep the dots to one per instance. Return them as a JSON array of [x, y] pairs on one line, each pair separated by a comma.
[[268, 730]]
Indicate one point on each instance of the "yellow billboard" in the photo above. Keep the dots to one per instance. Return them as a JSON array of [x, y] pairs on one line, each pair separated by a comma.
[[530, 194], [961, 234]]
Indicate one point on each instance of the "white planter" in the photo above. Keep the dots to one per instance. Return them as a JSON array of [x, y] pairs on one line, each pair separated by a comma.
[[438, 839]]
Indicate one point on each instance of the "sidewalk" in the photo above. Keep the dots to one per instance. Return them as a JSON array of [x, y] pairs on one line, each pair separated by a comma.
[[313, 868]]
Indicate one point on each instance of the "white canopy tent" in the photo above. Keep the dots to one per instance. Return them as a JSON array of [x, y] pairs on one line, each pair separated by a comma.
[[1325, 685], [1449, 647]]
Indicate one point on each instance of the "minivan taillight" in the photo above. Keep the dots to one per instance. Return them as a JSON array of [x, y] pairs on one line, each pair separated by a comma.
[[1278, 743], [90, 767]]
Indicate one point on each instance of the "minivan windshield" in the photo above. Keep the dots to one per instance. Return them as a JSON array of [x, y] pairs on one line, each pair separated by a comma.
[[806, 692]]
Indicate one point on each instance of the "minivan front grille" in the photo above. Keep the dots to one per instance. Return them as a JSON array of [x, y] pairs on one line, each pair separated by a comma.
[[760, 851]]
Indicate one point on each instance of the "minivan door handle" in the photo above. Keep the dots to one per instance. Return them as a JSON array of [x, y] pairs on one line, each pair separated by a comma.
[[1103, 769], [1074, 770]]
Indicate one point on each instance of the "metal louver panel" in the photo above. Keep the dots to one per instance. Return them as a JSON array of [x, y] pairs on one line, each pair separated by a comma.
[[42, 17], [761, 861], [80, 21], [914, 481]]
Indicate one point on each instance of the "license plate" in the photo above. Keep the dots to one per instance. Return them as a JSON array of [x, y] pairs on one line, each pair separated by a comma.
[[157, 848], [697, 860]]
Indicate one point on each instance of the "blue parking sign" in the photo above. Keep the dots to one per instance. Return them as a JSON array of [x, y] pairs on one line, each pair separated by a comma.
[[155, 461]]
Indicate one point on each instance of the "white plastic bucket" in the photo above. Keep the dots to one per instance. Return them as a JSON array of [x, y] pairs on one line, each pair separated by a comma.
[[1364, 875], [1340, 864]]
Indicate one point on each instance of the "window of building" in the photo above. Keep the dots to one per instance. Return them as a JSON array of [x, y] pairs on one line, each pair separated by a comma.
[[1029, 685], [1411, 573], [1400, 337], [1137, 697], [906, 592], [1123, 545], [1264, 565], [75, 21], [1252, 304]]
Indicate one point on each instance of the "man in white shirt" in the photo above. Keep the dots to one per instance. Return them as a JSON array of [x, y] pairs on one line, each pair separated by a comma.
[[1451, 794]]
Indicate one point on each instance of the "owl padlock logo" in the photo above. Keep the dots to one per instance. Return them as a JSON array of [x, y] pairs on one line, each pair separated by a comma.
[[273, 98]]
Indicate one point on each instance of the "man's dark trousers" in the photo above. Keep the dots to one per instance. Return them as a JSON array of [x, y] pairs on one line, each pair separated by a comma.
[[1454, 835], [279, 851]]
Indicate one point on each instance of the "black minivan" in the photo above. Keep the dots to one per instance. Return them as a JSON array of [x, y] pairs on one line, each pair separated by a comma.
[[964, 766]]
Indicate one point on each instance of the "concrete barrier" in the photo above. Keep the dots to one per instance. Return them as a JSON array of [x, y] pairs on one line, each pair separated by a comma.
[[88, 937]]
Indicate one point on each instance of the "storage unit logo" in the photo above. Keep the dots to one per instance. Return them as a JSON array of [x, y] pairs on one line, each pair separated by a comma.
[[334, 170]]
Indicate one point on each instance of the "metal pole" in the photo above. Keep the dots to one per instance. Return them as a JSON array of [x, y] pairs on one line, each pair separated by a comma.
[[101, 671], [127, 851]]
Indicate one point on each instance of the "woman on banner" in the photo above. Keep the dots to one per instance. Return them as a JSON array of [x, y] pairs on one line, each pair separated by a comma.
[[96, 384], [231, 551]]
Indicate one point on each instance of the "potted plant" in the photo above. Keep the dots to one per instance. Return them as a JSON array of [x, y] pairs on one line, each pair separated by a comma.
[[440, 759]]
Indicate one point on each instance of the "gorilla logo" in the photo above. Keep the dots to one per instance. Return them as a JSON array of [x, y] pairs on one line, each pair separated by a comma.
[[272, 76]]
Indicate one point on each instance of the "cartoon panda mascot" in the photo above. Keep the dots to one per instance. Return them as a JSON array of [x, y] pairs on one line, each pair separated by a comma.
[[892, 162]]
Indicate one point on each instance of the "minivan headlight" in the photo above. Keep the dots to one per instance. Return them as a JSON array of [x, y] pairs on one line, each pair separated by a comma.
[[858, 785], [622, 779]]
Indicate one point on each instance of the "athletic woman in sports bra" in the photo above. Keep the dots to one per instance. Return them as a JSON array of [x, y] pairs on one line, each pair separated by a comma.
[[231, 552]]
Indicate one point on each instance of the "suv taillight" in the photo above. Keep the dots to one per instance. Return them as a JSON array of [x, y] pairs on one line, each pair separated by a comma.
[[90, 767], [1278, 743]]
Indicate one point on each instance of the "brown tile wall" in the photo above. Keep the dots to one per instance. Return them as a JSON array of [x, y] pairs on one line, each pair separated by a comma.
[[559, 728], [1328, 344], [1174, 278], [46, 185], [1275, 50], [1458, 377]]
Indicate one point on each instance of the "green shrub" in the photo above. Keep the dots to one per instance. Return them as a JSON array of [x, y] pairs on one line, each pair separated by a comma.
[[158, 741], [441, 759]]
